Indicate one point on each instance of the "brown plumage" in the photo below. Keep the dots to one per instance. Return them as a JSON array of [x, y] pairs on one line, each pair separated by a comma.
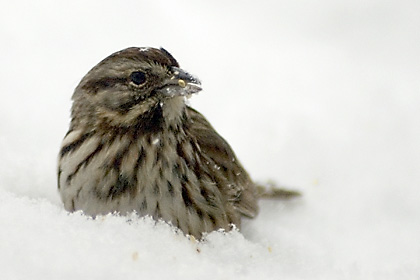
[[134, 145]]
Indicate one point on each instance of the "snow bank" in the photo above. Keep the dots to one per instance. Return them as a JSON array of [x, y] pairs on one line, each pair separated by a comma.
[[322, 96]]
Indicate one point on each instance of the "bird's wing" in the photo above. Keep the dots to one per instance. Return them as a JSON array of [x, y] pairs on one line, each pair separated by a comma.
[[239, 187]]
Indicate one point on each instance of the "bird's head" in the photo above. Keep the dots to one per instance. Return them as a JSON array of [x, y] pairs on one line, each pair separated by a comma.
[[132, 86]]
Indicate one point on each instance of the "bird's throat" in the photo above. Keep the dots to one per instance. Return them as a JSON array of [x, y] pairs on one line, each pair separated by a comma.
[[173, 109]]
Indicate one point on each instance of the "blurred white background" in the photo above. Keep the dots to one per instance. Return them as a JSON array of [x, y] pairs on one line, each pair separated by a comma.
[[322, 95]]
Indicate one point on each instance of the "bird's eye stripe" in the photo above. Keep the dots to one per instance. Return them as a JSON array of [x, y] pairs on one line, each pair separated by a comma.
[[95, 85]]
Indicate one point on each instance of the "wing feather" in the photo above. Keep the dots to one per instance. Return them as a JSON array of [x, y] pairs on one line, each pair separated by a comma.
[[239, 187]]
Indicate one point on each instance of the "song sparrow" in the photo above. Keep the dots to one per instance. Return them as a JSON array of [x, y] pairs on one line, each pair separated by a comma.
[[134, 145]]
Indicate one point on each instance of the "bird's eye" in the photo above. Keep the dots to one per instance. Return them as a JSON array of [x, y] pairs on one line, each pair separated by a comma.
[[138, 77]]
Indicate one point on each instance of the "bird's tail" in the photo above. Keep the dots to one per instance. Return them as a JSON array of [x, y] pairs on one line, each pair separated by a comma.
[[271, 191]]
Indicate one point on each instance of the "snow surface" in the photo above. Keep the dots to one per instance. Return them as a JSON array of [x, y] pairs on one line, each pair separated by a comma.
[[321, 95]]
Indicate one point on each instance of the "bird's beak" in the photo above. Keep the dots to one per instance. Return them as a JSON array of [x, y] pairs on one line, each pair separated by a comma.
[[181, 83]]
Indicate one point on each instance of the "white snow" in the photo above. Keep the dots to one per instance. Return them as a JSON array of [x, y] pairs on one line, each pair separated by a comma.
[[323, 96]]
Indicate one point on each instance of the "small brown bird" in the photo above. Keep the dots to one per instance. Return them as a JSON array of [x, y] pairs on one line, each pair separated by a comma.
[[134, 145]]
